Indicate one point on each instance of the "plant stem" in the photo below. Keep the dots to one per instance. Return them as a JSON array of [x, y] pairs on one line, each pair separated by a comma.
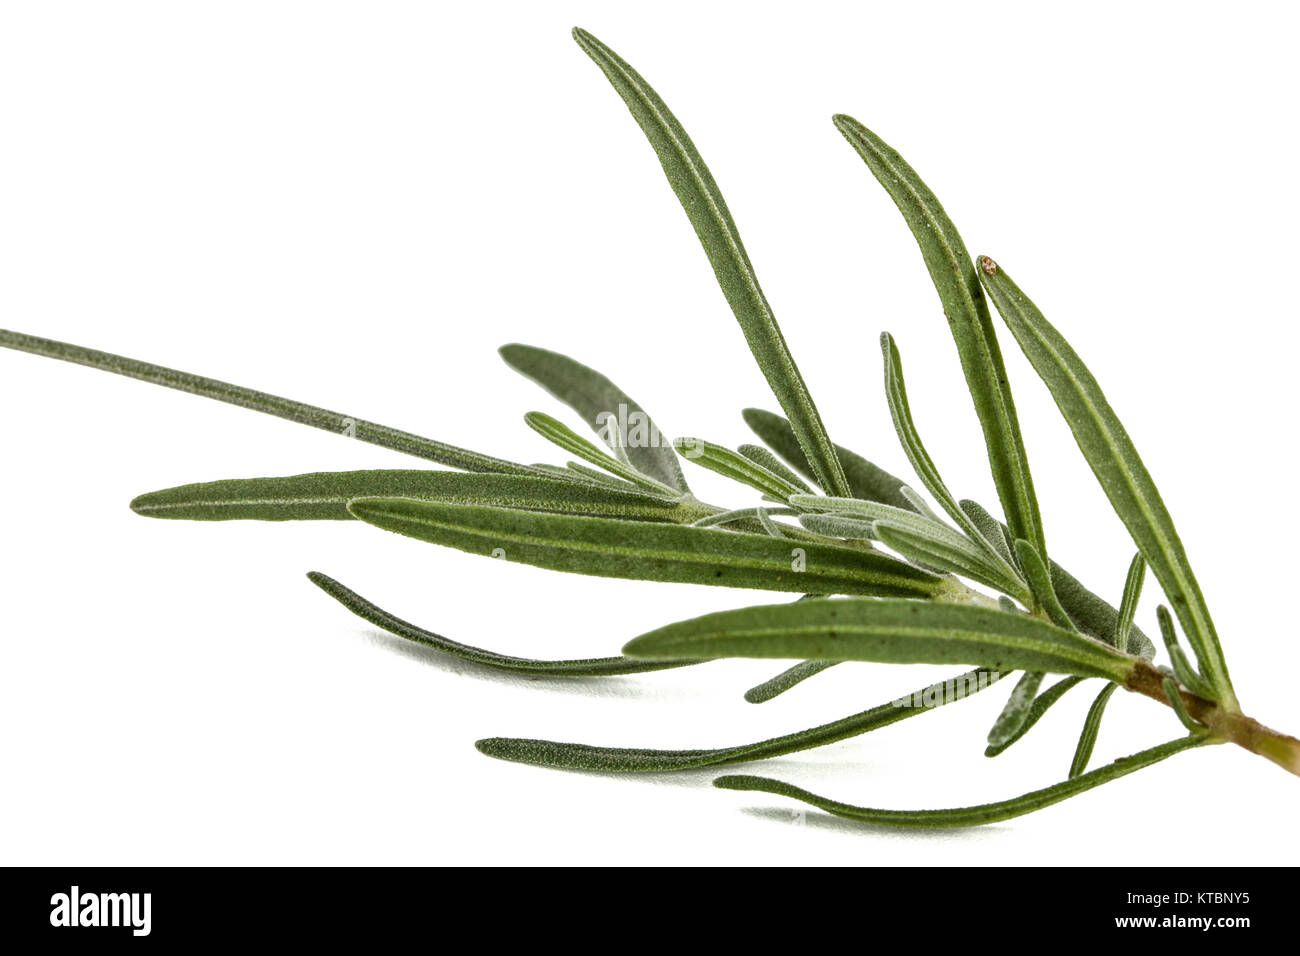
[[1223, 723]]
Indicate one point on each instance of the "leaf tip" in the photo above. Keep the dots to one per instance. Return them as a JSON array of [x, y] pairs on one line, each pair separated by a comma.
[[144, 504], [987, 266], [740, 781], [499, 747]]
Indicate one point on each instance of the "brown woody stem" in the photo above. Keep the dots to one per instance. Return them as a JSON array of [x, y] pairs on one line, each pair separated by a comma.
[[1224, 724]]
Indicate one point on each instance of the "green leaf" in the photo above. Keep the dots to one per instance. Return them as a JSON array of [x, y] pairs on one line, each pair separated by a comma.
[[972, 329], [1015, 713], [910, 439], [1040, 583], [742, 515], [923, 539], [708, 213], [788, 678], [950, 552], [336, 422], [1091, 614], [969, 816], [562, 435], [735, 466], [1088, 737], [886, 631], [1187, 675], [1117, 465], [989, 527], [568, 756], [1036, 711], [764, 458], [1128, 604], [1176, 701], [769, 526], [604, 406], [838, 526], [587, 667], [325, 495], [608, 547], [574, 469], [864, 479]]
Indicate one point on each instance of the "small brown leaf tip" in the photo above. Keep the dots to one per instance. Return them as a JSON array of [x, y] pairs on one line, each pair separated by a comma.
[[988, 265]]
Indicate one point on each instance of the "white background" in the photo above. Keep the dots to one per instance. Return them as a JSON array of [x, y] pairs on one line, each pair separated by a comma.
[[355, 204]]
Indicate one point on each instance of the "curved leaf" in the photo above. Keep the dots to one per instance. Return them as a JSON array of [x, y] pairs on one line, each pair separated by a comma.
[[901, 412], [708, 213], [587, 667], [969, 816], [954, 278]]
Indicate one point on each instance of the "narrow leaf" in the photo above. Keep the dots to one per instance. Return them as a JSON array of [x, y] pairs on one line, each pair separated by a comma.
[[1176, 701], [735, 466], [969, 816], [1090, 613], [838, 526], [764, 458], [708, 213], [588, 667], [788, 678], [1088, 737], [1117, 465], [865, 480], [910, 439], [604, 406], [567, 756], [886, 631], [1187, 675], [325, 495], [608, 547], [989, 527], [562, 435], [1128, 604], [1016, 711], [920, 534], [1037, 709], [1093, 615], [336, 422], [972, 329], [951, 552], [1040, 583]]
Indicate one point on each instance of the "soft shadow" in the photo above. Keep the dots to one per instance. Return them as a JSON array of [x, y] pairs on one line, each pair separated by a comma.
[[797, 815]]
